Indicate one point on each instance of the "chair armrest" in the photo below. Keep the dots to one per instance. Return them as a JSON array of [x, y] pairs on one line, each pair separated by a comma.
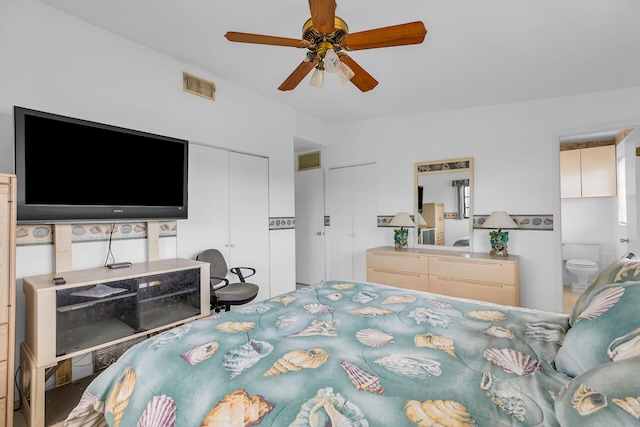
[[222, 283], [238, 272]]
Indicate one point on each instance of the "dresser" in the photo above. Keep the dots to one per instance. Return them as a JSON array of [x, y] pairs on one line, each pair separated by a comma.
[[471, 275], [7, 295]]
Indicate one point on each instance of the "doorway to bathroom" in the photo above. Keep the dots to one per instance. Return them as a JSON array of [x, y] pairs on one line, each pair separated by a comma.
[[598, 204]]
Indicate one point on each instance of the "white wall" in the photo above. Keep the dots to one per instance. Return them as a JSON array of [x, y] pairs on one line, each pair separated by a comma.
[[57, 63], [516, 166]]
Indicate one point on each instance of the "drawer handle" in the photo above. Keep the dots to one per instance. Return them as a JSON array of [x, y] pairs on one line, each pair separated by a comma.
[[471, 282], [464, 261], [400, 273]]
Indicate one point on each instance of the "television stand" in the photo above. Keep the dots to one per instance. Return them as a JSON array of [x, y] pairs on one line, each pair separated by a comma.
[[98, 308]]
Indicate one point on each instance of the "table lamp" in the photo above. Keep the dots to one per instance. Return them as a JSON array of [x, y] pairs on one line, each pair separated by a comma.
[[402, 220], [499, 238]]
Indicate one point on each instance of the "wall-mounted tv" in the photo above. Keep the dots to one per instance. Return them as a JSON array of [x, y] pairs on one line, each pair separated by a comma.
[[73, 170]]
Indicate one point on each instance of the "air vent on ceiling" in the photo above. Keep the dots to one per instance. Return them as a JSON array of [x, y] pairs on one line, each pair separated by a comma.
[[309, 161], [198, 86]]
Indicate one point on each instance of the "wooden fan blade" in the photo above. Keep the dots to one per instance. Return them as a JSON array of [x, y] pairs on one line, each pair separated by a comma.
[[298, 74], [363, 80], [270, 40], [323, 14], [396, 35]]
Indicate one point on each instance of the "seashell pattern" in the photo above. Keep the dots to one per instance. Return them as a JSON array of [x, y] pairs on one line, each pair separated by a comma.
[[399, 299], [488, 315], [251, 309], [438, 413], [199, 353], [160, 412], [416, 367], [506, 397], [438, 304], [431, 317], [625, 346], [602, 302], [438, 342], [499, 332], [89, 411], [586, 400], [252, 408], [332, 409], [297, 360], [374, 337], [632, 267], [512, 361], [548, 332], [326, 328], [361, 379], [167, 337], [364, 297], [239, 359], [233, 327], [629, 404], [285, 299], [336, 296], [318, 308], [370, 311], [286, 320], [343, 286], [119, 398]]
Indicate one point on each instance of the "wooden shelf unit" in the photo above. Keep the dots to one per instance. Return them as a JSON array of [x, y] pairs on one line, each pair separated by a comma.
[[471, 275], [157, 295]]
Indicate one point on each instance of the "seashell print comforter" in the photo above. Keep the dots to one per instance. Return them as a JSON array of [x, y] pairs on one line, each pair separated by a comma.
[[339, 354]]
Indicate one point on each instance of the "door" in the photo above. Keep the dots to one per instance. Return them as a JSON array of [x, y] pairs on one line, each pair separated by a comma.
[[353, 220], [309, 188], [248, 241], [630, 243]]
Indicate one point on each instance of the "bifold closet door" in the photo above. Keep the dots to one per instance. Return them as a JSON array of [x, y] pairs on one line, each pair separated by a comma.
[[228, 210], [249, 217], [353, 220]]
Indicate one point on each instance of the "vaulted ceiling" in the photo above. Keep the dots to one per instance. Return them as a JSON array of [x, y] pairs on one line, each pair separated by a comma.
[[475, 52]]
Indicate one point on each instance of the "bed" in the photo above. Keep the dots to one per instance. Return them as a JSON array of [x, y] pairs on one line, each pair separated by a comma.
[[364, 354]]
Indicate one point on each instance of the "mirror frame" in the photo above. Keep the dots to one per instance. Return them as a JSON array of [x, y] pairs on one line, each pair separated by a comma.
[[464, 164]]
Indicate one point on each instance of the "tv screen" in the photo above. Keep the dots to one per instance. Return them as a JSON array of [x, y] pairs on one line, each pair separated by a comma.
[[73, 170]]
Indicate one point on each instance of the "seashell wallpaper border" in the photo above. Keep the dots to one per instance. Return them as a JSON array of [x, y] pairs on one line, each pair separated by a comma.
[[282, 223], [37, 234], [525, 222]]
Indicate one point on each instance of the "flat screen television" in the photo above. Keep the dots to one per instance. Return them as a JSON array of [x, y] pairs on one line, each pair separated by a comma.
[[73, 170]]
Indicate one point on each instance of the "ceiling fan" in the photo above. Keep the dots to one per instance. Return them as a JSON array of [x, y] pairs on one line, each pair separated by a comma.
[[326, 36]]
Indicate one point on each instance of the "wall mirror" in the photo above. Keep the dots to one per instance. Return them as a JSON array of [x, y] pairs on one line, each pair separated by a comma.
[[444, 198]]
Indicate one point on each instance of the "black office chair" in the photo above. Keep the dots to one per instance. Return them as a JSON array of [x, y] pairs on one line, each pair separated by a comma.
[[223, 293]]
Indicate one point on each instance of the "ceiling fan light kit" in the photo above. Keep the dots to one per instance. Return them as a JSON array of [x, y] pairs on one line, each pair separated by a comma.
[[326, 37]]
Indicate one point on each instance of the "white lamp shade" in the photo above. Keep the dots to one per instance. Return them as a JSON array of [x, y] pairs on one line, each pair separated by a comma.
[[331, 61], [317, 79], [402, 219], [421, 221], [345, 73], [499, 219]]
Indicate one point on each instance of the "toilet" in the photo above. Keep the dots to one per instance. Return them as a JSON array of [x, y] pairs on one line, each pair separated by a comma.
[[581, 261]]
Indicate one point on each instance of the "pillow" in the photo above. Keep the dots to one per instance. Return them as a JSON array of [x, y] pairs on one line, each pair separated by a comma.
[[607, 395], [606, 329], [626, 268]]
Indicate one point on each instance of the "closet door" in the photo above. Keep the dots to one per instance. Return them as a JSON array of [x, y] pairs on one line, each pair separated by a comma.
[[208, 223], [249, 218], [340, 231], [353, 207]]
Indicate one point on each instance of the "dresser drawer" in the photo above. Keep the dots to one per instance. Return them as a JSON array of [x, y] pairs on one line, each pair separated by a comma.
[[400, 279], [3, 379], [491, 292], [399, 261], [4, 341], [473, 269], [3, 412]]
